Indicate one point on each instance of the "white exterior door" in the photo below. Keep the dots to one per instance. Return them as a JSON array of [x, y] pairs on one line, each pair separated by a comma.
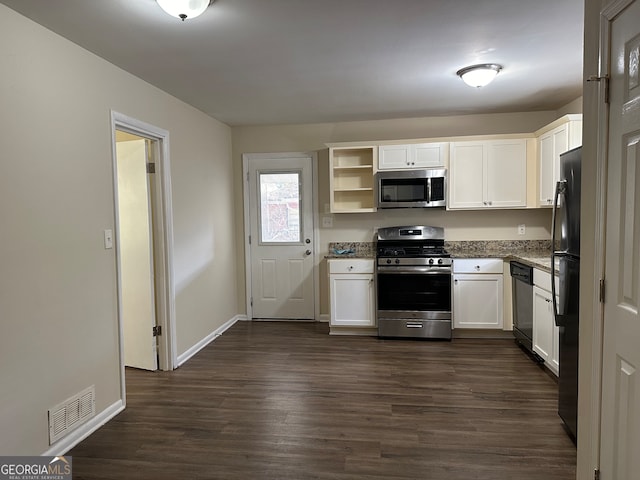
[[620, 428], [281, 236]]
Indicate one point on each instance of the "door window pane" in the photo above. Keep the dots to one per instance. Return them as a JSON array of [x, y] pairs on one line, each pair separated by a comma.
[[279, 207]]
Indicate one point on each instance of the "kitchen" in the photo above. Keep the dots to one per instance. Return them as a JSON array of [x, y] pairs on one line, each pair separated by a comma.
[[192, 220], [459, 225], [504, 232]]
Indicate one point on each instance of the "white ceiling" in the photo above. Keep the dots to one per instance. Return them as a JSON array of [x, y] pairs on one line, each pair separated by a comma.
[[249, 62]]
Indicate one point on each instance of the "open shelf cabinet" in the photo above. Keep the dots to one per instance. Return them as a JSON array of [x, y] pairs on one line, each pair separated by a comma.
[[351, 178]]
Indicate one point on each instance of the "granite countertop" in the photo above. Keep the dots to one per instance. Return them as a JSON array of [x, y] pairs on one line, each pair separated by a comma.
[[536, 253], [351, 250]]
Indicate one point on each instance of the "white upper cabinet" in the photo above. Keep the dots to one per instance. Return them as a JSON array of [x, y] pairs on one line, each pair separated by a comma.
[[506, 173], [415, 155], [553, 140], [488, 174]]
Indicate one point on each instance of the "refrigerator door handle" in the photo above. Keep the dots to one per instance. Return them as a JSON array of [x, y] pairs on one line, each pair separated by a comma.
[[561, 188]]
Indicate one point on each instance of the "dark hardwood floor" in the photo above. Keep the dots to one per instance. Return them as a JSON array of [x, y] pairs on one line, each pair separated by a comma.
[[287, 401]]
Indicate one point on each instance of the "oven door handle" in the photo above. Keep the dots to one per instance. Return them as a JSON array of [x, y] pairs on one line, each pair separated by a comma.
[[410, 269]]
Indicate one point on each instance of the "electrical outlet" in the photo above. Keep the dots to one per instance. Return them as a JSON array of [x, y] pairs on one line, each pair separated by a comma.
[[521, 229], [327, 222], [327, 208]]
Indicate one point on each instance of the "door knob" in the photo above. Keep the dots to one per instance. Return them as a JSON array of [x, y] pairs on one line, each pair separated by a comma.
[[308, 252], [308, 240]]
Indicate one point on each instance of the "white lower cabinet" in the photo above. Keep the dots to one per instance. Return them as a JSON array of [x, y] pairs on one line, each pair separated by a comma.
[[546, 335], [351, 291], [477, 293]]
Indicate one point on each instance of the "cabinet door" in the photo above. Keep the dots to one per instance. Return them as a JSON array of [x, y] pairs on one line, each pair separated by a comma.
[[550, 146], [542, 324], [428, 155], [506, 174], [352, 300], [394, 157], [477, 301], [545, 332], [547, 169], [466, 166], [419, 155]]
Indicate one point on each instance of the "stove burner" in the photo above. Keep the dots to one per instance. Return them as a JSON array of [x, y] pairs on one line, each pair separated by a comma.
[[408, 251], [393, 252]]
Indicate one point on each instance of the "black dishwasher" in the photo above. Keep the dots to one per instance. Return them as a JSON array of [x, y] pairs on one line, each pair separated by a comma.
[[522, 283]]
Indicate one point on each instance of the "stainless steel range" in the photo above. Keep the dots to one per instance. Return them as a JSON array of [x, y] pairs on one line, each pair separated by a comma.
[[413, 278]]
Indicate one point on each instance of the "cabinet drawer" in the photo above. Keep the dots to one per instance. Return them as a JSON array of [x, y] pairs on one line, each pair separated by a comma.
[[477, 265], [542, 280], [351, 265]]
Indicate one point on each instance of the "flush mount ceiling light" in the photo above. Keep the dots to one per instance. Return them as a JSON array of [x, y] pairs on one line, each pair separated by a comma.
[[479, 75], [184, 8]]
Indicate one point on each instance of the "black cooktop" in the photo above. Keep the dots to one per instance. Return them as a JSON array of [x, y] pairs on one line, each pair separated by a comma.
[[404, 250], [417, 241]]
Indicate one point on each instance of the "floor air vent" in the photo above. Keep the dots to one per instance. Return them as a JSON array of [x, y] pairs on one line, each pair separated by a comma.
[[71, 413]]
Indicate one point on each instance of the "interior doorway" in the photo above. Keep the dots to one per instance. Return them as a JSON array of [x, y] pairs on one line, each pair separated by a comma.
[[136, 212], [143, 243]]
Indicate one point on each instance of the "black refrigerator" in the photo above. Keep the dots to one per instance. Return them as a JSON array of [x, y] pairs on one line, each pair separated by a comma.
[[566, 258]]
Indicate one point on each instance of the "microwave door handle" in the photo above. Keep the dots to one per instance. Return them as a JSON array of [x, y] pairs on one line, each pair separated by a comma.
[[428, 190]]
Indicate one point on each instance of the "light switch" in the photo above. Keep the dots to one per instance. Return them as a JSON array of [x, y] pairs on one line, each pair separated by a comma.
[[327, 221], [108, 239]]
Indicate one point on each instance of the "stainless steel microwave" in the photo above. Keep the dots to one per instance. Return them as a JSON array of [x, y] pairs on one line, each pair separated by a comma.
[[411, 188]]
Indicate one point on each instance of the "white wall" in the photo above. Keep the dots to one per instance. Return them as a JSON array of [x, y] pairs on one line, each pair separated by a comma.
[[490, 225], [58, 284]]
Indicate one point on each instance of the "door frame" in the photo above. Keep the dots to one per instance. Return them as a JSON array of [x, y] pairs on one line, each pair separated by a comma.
[[246, 159], [163, 239], [591, 452]]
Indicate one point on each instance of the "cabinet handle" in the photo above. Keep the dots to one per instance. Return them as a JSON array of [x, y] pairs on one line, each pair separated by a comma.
[[455, 281], [477, 267]]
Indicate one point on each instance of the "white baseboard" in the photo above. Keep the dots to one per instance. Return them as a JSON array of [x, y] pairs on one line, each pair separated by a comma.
[[324, 318], [83, 431], [208, 339]]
